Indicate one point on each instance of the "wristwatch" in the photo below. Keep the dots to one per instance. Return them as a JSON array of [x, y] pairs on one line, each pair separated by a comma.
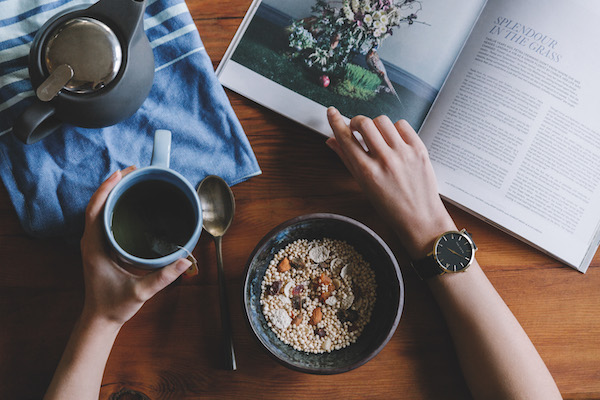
[[453, 251]]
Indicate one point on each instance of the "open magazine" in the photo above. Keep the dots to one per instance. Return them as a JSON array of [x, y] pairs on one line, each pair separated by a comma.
[[504, 93]]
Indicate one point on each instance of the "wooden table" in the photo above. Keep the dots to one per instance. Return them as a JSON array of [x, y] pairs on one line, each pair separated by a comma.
[[170, 349]]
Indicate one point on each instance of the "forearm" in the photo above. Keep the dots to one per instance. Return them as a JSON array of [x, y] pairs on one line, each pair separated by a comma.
[[497, 357], [79, 373]]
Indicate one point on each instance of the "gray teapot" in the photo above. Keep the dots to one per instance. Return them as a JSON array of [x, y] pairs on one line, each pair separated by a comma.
[[90, 67]]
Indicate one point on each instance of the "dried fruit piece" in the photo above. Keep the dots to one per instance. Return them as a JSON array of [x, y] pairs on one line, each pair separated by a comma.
[[319, 254], [324, 279], [297, 319], [274, 288], [321, 332], [297, 263], [297, 290], [284, 265], [297, 302], [281, 319], [315, 284], [316, 317], [337, 283]]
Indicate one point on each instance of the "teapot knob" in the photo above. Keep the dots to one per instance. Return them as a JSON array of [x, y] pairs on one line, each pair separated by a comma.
[[55, 82]]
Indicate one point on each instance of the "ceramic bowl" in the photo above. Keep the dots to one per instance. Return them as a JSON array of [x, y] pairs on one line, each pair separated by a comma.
[[386, 313]]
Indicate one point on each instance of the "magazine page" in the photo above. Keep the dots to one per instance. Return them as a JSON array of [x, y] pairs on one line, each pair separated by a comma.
[[368, 57], [515, 135]]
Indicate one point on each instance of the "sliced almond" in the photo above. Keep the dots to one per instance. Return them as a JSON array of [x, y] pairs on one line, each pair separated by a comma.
[[319, 254], [347, 301], [331, 301], [284, 299], [281, 319], [287, 289], [334, 264], [345, 272]]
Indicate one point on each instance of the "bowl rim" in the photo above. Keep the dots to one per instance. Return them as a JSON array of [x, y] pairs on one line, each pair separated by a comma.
[[400, 306]]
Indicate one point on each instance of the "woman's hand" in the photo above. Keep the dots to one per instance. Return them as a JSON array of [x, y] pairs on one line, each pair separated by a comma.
[[112, 296], [111, 292], [397, 176]]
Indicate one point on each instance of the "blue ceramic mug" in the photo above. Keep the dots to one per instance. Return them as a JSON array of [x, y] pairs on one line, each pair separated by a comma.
[[153, 216]]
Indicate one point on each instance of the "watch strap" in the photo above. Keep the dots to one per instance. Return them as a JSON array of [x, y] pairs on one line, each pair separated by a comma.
[[427, 267]]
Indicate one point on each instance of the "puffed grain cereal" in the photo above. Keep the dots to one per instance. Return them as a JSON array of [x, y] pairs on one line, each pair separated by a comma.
[[318, 295]]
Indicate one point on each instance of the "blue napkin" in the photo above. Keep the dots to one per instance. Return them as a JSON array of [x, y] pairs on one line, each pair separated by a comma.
[[50, 182]]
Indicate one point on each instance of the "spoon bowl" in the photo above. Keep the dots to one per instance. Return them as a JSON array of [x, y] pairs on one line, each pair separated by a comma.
[[218, 205]]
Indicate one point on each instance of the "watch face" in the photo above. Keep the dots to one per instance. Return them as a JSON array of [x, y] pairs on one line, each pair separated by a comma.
[[454, 251]]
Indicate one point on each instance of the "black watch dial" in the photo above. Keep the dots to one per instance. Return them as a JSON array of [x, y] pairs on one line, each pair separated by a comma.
[[454, 251]]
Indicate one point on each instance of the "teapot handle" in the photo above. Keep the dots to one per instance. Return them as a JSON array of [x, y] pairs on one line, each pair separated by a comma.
[[127, 15], [36, 122]]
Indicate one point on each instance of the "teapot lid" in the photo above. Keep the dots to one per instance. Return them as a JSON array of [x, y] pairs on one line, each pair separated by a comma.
[[90, 48]]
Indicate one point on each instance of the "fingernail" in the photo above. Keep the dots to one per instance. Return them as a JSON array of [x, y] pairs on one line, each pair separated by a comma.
[[331, 111], [114, 175], [183, 264]]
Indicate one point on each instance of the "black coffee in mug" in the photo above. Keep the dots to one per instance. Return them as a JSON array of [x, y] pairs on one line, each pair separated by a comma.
[[152, 219]]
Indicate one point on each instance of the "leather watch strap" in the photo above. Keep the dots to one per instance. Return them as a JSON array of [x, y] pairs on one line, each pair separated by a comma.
[[427, 267]]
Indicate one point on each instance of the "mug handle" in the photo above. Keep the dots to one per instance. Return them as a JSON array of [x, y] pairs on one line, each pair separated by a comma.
[[36, 122], [161, 151]]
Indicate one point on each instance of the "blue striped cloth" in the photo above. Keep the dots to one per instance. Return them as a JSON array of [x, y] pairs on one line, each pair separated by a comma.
[[50, 182]]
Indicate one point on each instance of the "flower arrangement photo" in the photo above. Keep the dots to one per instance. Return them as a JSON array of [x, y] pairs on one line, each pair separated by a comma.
[[332, 37]]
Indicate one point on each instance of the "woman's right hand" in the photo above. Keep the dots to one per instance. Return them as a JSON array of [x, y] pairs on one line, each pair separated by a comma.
[[396, 174]]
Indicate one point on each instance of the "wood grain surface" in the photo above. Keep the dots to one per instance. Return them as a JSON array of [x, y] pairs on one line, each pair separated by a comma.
[[170, 350]]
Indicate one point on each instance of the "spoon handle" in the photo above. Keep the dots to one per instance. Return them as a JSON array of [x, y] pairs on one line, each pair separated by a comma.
[[225, 315]]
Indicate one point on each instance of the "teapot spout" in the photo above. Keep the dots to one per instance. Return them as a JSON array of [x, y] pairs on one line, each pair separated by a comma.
[[126, 15]]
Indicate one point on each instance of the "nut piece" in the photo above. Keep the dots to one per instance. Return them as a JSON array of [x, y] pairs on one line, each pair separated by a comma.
[[281, 319], [288, 288], [319, 254], [284, 265], [316, 316], [337, 283], [347, 301], [297, 319], [345, 272]]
